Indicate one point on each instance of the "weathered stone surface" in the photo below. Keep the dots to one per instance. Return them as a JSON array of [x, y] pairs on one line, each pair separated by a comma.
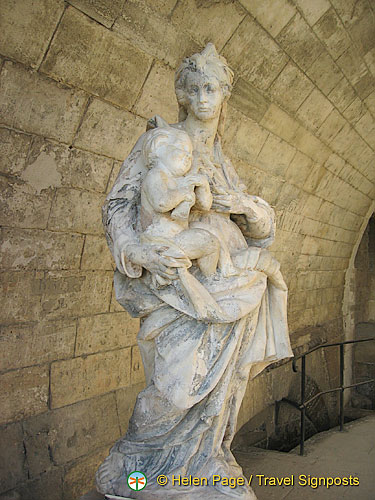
[[20, 294], [331, 126], [70, 294], [103, 11], [76, 210], [246, 99], [36, 104], [27, 345], [24, 21], [273, 15], [299, 169], [96, 254], [204, 20], [125, 399], [291, 87], [245, 138], [355, 110], [325, 73], [275, 155], [12, 458], [105, 332], [80, 476], [300, 43], [85, 377], [153, 34], [332, 33], [47, 485], [280, 123], [164, 7], [366, 128], [71, 167], [97, 65], [22, 206], [108, 130], [35, 249], [254, 54], [313, 11], [137, 372], [23, 393], [342, 95], [314, 110], [13, 151], [158, 97], [307, 143]]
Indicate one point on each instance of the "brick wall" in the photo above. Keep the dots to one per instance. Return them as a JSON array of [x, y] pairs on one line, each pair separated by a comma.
[[78, 81]]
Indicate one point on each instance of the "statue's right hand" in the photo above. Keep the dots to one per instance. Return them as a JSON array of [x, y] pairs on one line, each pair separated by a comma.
[[158, 259]]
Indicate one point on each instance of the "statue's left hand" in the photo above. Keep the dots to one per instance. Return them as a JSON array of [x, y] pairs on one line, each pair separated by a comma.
[[235, 202]]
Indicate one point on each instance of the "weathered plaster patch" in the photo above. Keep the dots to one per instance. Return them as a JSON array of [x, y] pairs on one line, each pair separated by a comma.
[[43, 173]]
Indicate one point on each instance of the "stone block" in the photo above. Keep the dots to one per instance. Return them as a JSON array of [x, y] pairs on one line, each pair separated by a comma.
[[204, 20], [254, 54], [12, 457], [331, 126], [244, 137], [370, 60], [291, 88], [103, 11], [246, 99], [299, 169], [76, 210], [313, 11], [36, 104], [342, 95], [332, 33], [163, 7], [23, 393], [74, 168], [96, 254], [115, 306], [71, 294], [83, 378], [48, 485], [325, 73], [13, 151], [137, 372], [353, 67], [20, 296], [36, 343], [370, 102], [115, 171], [280, 123], [273, 15], [126, 399], [22, 206], [307, 143], [80, 476], [23, 21], [366, 128], [153, 33], [108, 130], [355, 111], [88, 56], [36, 249], [105, 332], [275, 155], [300, 42], [314, 110], [158, 95]]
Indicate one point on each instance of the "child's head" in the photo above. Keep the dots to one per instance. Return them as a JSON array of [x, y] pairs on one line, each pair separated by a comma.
[[169, 146]]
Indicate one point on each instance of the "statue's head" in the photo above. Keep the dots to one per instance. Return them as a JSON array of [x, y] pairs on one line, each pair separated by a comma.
[[205, 73]]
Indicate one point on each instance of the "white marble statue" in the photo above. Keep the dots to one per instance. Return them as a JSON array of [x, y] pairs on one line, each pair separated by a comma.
[[190, 248]]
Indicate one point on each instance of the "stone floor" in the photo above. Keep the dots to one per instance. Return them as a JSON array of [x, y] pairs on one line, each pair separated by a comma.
[[330, 454]]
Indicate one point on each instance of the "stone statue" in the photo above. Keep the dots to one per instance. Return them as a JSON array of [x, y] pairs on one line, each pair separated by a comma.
[[190, 248]]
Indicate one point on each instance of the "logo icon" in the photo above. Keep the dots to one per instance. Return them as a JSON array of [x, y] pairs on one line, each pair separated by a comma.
[[137, 480]]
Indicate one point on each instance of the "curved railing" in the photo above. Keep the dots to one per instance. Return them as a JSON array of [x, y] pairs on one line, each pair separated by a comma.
[[303, 404]]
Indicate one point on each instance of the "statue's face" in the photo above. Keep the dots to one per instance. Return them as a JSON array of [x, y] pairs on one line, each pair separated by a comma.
[[204, 96]]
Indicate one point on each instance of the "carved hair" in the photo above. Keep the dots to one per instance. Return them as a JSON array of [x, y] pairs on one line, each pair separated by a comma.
[[158, 137], [209, 63]]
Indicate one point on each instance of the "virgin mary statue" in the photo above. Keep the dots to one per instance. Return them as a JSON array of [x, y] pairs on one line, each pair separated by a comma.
[[197, 359]]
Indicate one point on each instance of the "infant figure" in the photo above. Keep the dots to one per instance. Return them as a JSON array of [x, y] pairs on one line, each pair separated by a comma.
[[168, 193]]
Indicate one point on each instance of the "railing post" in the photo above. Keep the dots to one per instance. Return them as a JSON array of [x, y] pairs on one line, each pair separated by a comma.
[[342, 387], [303, 410]]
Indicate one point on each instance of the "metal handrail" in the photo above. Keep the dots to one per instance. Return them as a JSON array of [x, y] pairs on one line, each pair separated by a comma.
[[303, 404]]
